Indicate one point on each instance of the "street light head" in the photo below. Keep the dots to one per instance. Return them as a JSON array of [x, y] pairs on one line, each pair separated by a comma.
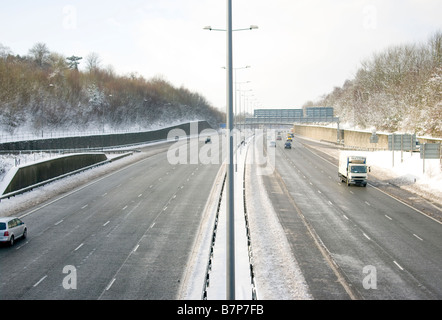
[[253, 27], [207, 28]]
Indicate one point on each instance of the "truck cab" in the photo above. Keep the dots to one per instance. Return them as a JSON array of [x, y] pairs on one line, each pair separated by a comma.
[[353, 170]]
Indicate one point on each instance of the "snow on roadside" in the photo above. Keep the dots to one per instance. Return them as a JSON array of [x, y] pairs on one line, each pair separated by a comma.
[[8, 161], [409, 173], [277, 273]]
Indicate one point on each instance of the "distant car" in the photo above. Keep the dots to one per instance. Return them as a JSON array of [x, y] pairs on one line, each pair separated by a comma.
[[288, 145], [273, 144], [177, 138], [278, 138], [208, 140], [11, 229]]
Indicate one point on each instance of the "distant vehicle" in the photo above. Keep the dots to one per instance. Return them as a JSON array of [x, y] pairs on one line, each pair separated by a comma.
[[177, 138], [278, 137], [208, 140], [11, 229], [288, 145], [273, 144], [353, 169]]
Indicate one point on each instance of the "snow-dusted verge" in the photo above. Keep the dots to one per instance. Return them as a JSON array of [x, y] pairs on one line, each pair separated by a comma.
[[409, 174], [9, 161], [277, 273]]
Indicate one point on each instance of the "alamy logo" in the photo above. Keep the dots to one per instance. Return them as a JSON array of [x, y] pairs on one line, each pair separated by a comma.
[[370, 281], [70, 281], [215, 147], [69, 17], [370, 21]]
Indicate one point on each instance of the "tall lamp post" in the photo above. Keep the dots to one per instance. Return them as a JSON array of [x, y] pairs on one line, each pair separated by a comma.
[[230, 223]]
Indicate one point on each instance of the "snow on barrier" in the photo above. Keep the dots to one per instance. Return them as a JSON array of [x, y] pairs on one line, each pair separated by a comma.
[[27, 177], [212, 243], [215, 279], [101, 140]]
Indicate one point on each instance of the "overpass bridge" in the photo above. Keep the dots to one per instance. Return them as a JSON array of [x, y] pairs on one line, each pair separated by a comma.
[[286, 117], [288, 120]]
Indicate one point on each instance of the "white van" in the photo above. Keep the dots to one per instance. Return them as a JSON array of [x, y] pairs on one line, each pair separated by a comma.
[[12, 228]]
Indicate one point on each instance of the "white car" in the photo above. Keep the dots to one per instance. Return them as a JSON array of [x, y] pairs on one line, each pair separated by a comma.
[[11, 229]]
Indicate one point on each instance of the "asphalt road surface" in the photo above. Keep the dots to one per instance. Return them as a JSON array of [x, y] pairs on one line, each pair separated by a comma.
[[353, 242], [126, 235]]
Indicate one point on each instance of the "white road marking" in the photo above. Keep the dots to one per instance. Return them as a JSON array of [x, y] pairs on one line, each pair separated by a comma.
[[398, 265], [418, 237], [39, 281], [110, 284]]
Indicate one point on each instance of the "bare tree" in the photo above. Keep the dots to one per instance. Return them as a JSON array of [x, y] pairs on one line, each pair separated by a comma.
[[93, 62], [4, 51], [40, 53]]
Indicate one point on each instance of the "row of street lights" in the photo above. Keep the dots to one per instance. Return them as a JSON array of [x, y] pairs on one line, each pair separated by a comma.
[[230, 214]]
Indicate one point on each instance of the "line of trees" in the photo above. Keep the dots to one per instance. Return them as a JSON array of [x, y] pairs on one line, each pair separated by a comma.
[[46, 91], [398, 89]]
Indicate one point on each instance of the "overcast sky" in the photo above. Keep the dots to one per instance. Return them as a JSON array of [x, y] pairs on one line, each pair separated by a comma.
[[302, 49]]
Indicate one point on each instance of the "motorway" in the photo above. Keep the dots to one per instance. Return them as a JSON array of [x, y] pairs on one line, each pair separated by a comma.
[[125, 235], [352, 242], [129, 233]]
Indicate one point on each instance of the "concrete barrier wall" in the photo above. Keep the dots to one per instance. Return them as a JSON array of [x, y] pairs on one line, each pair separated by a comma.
[[317, 133], [32, 174], [100, 141], [350, 138], [360, 139]]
